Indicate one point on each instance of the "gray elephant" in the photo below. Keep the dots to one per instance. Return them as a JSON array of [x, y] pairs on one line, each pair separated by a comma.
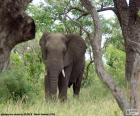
[[64, 59]]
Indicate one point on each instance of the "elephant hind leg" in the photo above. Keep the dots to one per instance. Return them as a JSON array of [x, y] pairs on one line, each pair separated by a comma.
[[70, 83], [77, 75], [76, 86], [63, 83]]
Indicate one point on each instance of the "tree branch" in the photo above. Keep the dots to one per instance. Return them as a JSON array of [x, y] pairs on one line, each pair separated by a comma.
[[106, 8], [81, 27], [85, 13], [122, 10]]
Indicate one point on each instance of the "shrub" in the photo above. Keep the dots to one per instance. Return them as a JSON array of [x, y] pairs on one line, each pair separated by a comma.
[[89, 74], [15, 85]]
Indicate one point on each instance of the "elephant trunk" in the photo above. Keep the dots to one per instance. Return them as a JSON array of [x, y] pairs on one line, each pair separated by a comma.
[[54, 67], [53, 84]]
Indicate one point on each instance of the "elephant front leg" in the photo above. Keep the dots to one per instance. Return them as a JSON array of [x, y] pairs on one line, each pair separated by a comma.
[[63, 84], [49, 95], [46, 82]]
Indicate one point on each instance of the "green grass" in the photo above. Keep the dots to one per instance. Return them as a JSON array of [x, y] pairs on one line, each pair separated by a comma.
[[88, 104]]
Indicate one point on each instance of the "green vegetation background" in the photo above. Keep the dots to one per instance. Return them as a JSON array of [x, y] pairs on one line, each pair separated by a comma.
[[22, 86]]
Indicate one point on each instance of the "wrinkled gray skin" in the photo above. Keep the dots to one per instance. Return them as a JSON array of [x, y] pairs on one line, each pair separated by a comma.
[[64, 57]]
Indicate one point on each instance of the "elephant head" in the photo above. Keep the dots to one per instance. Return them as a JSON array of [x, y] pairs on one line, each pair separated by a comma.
[[55, 57]]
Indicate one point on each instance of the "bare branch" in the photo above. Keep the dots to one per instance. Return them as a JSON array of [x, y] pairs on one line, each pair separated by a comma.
[[76, 8], [106, 8], [85, 13]]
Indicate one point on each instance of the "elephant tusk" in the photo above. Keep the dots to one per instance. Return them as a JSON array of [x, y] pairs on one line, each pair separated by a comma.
[[63, 73]]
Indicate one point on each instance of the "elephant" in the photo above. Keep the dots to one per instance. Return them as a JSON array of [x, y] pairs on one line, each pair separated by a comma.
[[64, 59]]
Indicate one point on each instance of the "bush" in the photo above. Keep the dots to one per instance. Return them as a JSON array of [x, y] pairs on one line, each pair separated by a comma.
[[115, 60], [28, 56], [14, 85], [89, 74]]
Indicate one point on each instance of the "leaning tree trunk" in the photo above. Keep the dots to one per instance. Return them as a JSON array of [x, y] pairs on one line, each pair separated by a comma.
[[130, 25], [15, 27]]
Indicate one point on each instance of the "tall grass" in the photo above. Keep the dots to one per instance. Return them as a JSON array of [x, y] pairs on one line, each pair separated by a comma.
[[86, 105], [94, 100]]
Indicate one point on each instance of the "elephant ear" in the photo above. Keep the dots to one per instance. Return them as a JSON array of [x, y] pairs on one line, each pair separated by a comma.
[[42, 44], [68, 56], [43, 39]]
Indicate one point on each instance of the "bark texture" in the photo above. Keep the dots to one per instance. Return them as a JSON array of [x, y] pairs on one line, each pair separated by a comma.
[[15, 27], [130, 25]]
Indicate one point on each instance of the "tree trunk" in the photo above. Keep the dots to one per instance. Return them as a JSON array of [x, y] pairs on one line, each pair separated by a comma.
[[4, 59], [133, 64], [131, 33], [130, 25], [15, 27]]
